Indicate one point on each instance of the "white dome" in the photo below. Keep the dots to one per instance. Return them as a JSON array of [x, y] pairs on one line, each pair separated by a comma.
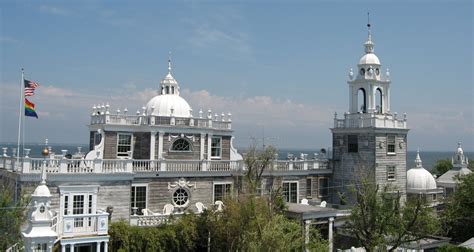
[[42, 190], [161, 105], [420, 178], [369, 59]]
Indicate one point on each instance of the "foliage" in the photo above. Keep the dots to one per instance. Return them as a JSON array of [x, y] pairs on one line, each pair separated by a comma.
[[12, 216], [452, 248], [442, 166], [248, 222], [380, 218], [458, 216]]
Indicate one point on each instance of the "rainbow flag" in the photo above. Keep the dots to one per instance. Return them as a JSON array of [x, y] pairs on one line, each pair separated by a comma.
[[30, 109]]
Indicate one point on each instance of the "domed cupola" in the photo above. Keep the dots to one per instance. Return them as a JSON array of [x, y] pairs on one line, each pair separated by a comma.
[[369, 63], [168, 102], [418, 178]]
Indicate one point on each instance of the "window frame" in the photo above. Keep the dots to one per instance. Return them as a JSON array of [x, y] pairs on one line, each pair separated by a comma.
[[323, 189], [351, 146], [218, 148], [124, 154], [391, 142], [309, 189], [224, 192], [391, 175], [188, 197], [133, 198], [289, 182], [190, 144]]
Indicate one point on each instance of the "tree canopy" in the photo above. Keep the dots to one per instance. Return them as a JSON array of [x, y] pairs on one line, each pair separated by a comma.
[[12, 216], [458, 215], [381, 219], [442, 166]]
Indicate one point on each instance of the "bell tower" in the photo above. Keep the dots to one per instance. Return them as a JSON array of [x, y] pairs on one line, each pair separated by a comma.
[[369, 139]]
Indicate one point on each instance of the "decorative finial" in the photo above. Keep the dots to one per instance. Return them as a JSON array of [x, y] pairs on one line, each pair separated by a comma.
[[169, 62], [418, 159], [368, 25]]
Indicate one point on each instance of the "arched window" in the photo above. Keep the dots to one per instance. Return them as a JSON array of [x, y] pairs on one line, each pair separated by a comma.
[[181, 144], [361, 98], [167, 89], [378, 101]]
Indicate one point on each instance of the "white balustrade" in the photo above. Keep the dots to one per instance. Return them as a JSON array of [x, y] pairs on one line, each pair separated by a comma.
[[84, 224]]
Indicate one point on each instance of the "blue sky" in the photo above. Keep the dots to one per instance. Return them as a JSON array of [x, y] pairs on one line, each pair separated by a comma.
[[279, 67]]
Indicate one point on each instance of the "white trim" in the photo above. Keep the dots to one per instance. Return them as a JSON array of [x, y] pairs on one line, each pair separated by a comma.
[[131, 145], [221, 183], [297, 189]]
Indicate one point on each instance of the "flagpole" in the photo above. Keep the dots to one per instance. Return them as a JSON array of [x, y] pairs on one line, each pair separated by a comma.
[[22, 84]]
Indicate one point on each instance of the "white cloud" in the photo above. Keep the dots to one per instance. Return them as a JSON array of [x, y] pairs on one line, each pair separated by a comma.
[[288, 123], [56, 10]]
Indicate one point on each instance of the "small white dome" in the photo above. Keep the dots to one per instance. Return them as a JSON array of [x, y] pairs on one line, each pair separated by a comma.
[[161, 105], [420, 178], [369, 59], [42, 191]]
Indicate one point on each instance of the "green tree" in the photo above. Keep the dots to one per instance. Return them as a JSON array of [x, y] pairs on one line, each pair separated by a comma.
[[380, 218], [12, 216], [458, 215], [442, 166], [452, 248]]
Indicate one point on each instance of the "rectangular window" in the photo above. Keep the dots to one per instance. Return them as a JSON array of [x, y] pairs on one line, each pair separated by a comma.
[[309, 185], [216, 147], [352, 143], [78, 208], [323, 187], [97, 138], [391, 172], [124, 144], [391, 144], [66, 204], [222, 191], [139, 199], [290, 191]]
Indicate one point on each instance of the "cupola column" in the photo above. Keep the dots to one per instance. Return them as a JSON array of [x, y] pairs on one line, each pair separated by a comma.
[[160, 144], [152, 144]]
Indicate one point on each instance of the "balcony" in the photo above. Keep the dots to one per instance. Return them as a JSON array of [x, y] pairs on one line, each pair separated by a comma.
[[222, 123], [61, 165], [81, 225], [374, 120]]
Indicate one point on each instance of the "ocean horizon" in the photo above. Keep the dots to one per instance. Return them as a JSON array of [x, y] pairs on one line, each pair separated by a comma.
[[429, 158]]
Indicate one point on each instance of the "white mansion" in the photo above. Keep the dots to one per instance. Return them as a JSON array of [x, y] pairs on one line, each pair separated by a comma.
[[167, 159]]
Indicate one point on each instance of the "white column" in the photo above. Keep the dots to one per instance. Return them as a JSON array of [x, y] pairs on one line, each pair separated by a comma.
[[152, 145], [160, 144], [63, 248], [307, 224], [72, 248], [330, 238], [209, 140], [106, 246], [98, 247], [202, 139]]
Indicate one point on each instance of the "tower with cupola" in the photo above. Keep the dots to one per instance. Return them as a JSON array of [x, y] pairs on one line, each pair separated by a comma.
[[369, 140], [39, 236]]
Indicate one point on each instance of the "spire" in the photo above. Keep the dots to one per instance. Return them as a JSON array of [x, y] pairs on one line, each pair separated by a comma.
[[169, 62], [418, 159], [369, 45]]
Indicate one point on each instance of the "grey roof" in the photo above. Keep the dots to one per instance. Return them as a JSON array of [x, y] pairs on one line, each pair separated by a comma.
[[468, 244], [307, 212], [449, 176]]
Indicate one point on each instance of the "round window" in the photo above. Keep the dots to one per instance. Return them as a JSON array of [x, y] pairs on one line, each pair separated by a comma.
[[42, 209], [180, 197]]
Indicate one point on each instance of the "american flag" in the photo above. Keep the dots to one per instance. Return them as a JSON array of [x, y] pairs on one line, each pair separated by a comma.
[[30, 87]]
